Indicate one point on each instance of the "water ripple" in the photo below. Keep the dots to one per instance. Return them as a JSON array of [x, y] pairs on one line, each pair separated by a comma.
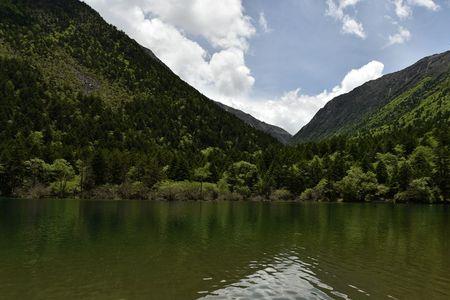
[[287, 278]]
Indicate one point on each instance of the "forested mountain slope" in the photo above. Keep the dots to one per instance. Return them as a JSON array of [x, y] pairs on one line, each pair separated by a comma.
[[74, 87], [419, 93], [87, 112], [277, 132]]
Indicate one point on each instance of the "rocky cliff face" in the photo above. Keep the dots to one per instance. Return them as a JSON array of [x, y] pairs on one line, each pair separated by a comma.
[[347, 113]]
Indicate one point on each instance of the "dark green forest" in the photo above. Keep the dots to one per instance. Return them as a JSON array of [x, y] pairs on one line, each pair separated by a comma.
[[87, 112]]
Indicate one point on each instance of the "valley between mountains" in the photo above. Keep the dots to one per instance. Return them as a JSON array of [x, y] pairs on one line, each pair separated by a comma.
[[87, 112]]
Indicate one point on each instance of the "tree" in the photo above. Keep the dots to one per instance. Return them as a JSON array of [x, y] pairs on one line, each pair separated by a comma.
[[217, 159], [99, 168], [36, 141], [2, 178], [357, 185], [37, 170], [242, 177], [266, 183], [323, 191], [403, 175], [419, 190], [442, 175], [315, 169], [202, 174], [382, 172], [63, 172], [422, 162], [83, 170]]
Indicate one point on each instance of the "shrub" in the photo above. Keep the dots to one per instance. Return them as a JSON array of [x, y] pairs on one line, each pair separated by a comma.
[[186, 191], [323, 191], [281, 195], [419, 190], [105, 192], [134, 191], [37, 191]]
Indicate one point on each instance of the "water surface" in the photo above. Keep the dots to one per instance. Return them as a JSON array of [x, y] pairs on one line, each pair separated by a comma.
[[57, 249]]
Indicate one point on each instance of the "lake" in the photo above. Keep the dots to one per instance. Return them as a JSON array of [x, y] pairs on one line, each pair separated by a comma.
[[63, 249]]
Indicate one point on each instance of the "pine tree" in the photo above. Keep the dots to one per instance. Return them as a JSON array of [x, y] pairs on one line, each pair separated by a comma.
[[382, 173]]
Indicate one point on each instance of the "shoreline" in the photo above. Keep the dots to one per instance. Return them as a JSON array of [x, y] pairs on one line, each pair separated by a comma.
[[388, 202]]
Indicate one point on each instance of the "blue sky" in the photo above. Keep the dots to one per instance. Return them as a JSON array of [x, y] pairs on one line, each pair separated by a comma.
[[282, 60], [306, 49]]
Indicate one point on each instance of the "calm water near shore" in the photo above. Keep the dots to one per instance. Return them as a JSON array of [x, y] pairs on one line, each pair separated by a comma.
[[58, 249]]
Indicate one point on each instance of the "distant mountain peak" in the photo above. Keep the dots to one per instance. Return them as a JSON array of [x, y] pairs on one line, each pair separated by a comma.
[[277, 132]]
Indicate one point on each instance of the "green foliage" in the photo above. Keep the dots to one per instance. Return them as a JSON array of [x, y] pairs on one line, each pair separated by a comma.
[[75, 88], [382, 172], [323, 191], [86, 111], [422, 162], [186, 191], [419, 190], [281, 195], [357, 185], [242, 177], [63, 173]]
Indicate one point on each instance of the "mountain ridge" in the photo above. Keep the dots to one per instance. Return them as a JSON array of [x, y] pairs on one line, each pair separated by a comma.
[[345, 113], [277, 132]]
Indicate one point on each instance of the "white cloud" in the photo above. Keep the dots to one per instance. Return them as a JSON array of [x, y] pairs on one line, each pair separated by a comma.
[[349, 24], [403, 8], [165, 26], [403, 35], [293, 110], [168, 28], [231, 76], [263, 23], [352, 26], [429, 4], [223, 23]]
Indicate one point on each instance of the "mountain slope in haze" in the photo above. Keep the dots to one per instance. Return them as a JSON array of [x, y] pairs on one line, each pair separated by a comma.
[[74, 87], [277, 132], [418, 93]]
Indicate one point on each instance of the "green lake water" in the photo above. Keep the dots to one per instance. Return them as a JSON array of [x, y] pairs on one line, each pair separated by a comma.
[[58, 249]]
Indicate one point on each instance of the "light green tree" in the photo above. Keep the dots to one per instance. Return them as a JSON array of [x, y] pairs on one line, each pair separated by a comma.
[[63, 172], [419, 190], [357, 185], [242, 177], [37, 170], [202, 174]]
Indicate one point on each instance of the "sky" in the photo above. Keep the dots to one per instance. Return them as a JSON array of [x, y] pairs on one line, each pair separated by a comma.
[[282, 61]]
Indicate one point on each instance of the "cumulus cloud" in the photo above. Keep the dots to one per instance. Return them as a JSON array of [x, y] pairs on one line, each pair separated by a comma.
[[294, 109], [165, 26], [171, 29], [223, 23], [403, 35], [349, 24]]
